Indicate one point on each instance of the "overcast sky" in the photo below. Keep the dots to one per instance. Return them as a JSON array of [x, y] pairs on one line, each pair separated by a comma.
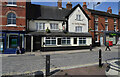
[[102, 7]]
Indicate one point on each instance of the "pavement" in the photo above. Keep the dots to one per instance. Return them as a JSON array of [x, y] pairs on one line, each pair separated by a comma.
[[91, 71], [38, 53]]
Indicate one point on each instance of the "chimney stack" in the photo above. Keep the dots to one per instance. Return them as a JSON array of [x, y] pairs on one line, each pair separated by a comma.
[[69, 5], [109, 10], [84, 5], [59, 3]]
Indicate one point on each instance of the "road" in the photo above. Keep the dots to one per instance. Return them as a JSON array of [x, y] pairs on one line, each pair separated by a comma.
[[22, 64]]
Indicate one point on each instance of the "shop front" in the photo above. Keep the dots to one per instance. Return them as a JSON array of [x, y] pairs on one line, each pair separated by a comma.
[[11, 40]]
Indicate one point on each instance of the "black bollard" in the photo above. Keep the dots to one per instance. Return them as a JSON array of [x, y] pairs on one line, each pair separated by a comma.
[[100, 58], [47, 65]]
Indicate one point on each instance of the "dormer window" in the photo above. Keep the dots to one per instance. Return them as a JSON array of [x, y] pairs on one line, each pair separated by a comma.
[[40, 26], [78, 17], [54, 26], [11, 3]]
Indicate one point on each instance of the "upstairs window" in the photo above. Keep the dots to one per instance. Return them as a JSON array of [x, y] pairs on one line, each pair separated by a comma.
[[78, 17], [78, 29], [11, 18], [96, 18], [115, 27], [40, 26], [54, 26], [106, 19], [96, 26], [11, 2], [114, 20], [106, 27]]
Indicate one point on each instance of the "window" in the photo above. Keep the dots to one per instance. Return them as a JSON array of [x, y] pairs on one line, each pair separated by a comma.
[[96, 26], [115, 27], [106, 27], [78, 28], [114, 20], [106, 19], [13, 41], [75, 40], [50, 41], [11, 18], [96, 18], [40, 26], [54, 26], [12, 2], [82, 41], [65, 40], [78, 17]]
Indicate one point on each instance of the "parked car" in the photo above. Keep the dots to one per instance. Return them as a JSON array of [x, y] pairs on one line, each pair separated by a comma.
[[113, 68]]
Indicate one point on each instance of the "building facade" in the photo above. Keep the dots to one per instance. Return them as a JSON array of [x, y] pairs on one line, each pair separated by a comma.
[[12, 26], [104, 26], [57, 28]]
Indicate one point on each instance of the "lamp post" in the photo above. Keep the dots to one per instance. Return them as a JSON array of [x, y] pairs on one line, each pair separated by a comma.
[[94, 19]]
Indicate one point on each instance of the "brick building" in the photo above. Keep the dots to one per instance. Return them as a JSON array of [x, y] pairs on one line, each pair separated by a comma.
[[13, 25], [103, 25]]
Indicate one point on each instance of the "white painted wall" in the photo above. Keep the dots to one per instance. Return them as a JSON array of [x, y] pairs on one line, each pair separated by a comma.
[[72, 20], [32, 24]]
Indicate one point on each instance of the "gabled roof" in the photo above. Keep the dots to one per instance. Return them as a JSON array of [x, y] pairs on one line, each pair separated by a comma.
[[102, 13], [40, 12], [78, 5]]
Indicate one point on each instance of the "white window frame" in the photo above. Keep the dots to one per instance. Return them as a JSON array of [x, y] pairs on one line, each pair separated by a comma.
[[40, 26], [54, 26], [105, 27], [66, 39], [82, 39], [51, 39], [96, 26], [13, 3], [78, 17], [78, 28], [12, 19]]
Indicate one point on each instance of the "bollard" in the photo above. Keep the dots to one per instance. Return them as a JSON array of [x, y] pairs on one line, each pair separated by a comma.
[[100, 58], [47, 65]]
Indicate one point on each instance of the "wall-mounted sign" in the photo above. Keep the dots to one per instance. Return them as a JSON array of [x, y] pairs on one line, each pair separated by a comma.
[[78, 24], [112, 34]]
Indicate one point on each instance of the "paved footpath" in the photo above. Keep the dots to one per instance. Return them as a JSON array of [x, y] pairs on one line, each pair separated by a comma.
[[89, 71]]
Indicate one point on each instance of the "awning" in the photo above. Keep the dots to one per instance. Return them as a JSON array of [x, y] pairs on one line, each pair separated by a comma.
[[60, 34]]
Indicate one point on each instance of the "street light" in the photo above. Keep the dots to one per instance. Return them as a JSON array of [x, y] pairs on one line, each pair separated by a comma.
[[94, 19]]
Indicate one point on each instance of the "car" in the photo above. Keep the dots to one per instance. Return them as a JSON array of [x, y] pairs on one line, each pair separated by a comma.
[[113, 68]]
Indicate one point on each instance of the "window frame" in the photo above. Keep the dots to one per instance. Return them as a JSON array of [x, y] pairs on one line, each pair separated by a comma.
[[11, 19], [78, 28], [115, 26], [96, 18], [105, 27], [96, 28], [66, 39], [54, 26], [40, 26], [51, 39], [82, 40], [106, 20], [12, 3], [78, 17]]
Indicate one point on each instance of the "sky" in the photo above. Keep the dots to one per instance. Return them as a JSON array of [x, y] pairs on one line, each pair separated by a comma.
[[103, 6]]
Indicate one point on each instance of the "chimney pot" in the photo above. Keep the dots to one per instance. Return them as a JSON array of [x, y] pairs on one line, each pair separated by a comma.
[[109, 10], [59, 3], [69, 5], [84, 5]]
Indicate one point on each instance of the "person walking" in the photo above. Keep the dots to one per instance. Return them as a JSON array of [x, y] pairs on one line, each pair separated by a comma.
[[107, 46]]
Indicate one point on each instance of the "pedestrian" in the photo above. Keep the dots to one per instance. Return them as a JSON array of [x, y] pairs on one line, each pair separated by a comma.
[[18, 50], [90, 47], [107, 46]]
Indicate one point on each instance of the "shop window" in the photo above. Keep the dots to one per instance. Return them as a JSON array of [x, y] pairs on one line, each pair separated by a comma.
[[50, 41], [40, 26], [54, 26], [78, 29], [75, 40], [11, 19], [65, 40], [82, 41]]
